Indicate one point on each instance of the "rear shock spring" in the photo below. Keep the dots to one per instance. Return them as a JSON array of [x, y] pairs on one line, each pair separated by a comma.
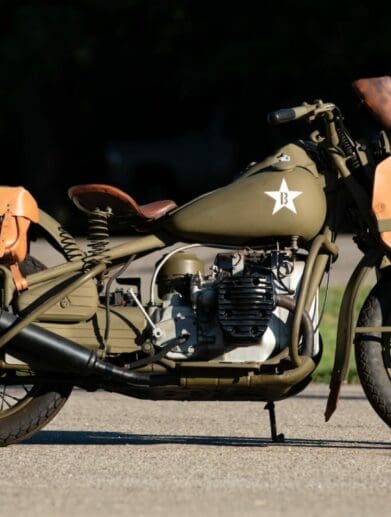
[[98, 232], [69, 247]]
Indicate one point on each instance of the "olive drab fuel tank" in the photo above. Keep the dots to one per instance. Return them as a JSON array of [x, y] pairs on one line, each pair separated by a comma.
[[279, 197]]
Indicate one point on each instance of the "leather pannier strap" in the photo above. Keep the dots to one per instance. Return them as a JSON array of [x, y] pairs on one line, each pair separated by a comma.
[[19, 280], [376, 94], [18, 209]]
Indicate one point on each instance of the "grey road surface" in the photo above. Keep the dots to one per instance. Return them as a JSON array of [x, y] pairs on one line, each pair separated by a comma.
[[108, 455]]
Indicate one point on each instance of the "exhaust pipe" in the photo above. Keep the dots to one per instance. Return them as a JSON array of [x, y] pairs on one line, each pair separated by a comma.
[[34, 344]]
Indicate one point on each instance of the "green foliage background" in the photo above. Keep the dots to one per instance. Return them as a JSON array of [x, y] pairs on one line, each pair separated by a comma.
[[328, 330]]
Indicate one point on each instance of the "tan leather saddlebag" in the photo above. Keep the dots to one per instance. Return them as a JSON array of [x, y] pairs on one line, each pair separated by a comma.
[[381, 200], [17, 209]]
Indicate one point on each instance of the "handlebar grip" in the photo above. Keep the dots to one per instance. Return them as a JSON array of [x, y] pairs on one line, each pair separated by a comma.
[[281, 116], [287, 115]]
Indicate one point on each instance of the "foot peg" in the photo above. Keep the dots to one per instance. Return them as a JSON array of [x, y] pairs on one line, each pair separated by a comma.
[[276, 438]]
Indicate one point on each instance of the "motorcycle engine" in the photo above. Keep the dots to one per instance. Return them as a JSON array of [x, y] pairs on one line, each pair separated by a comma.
[[231, 314]]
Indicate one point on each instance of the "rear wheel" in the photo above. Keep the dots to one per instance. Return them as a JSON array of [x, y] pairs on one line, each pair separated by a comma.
[[373, 350], [26, 408]]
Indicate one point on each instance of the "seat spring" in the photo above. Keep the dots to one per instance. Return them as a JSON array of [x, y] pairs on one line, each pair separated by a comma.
[[98, 232]]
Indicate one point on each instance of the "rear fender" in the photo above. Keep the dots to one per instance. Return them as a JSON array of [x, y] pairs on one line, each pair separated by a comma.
[[57, 237]]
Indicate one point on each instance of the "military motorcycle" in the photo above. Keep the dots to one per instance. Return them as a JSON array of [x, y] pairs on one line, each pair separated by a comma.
[[246, 327]]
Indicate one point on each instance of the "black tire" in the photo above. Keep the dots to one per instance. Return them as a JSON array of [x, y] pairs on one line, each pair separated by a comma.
[[373, 350], [25, 409], [33, 410]]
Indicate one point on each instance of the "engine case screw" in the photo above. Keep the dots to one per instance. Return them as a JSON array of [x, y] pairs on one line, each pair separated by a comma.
[[64, 303]]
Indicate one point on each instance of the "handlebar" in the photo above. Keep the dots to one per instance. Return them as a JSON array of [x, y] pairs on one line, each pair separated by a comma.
[[283, 116]]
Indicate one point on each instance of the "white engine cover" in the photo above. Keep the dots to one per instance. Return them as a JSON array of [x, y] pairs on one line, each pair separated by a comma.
[[177, 318], [276, 336]]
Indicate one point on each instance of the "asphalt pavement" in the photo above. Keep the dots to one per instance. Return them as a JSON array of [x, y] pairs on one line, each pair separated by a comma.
[[106, 454]]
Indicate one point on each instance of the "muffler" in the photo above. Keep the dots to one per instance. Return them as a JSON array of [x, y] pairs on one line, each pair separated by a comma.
[[36, 345]]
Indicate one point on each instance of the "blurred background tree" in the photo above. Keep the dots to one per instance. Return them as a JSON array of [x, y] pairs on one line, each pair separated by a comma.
[[169, 98]]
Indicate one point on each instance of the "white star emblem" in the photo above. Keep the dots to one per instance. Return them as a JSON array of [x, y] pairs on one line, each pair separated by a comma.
[[284, 198]]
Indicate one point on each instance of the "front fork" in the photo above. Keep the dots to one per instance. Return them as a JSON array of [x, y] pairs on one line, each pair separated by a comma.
[[347, 326]]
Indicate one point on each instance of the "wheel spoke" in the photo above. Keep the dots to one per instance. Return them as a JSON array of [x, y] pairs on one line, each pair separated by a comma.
[[11, 396], [6, 402], [18, 399], [2, 398]]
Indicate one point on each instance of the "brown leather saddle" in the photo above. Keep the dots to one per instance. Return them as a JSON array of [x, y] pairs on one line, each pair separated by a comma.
[[107, 198]]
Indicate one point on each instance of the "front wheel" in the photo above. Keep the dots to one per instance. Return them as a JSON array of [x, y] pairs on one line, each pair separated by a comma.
[[373, 349]]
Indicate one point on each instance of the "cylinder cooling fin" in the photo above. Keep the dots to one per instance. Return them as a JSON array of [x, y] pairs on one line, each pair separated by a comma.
[[245, 306]]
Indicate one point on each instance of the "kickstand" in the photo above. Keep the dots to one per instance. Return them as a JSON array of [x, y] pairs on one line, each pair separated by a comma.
[[277, 438]]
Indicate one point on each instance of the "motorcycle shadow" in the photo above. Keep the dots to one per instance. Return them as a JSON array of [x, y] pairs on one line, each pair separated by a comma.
[[110, 438]]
